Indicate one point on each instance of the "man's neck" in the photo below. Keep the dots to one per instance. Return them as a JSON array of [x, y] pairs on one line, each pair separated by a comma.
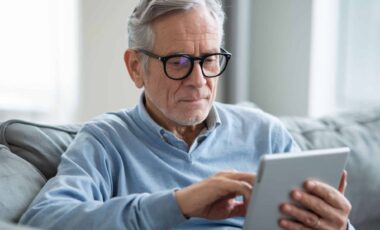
[[185, 133], [188, 133]]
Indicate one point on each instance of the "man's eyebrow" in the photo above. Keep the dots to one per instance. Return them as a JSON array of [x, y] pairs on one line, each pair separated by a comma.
[[185, 53], [178, 53], [211, 51]]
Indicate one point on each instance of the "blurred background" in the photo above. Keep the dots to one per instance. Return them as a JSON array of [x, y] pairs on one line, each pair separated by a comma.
[[61, 61]]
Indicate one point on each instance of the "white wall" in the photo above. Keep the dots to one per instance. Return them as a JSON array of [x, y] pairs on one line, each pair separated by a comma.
[[280, 55], [359, 54], [104, 81], [323, 63]]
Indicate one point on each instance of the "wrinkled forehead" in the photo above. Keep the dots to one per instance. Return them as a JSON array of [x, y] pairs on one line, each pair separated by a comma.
[[194, 25]]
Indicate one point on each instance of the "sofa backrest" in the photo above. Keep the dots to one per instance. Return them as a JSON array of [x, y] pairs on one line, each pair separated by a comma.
[[41, 145]]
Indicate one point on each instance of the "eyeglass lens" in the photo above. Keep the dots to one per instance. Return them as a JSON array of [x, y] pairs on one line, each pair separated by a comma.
[[180, 66]]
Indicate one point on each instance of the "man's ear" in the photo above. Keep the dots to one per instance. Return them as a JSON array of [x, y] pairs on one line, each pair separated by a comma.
[[134, 66]]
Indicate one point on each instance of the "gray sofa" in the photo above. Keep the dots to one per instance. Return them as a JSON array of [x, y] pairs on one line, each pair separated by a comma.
[[30, 153]]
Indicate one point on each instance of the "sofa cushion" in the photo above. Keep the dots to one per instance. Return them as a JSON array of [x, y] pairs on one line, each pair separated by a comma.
[[360, 131], [41, 145], [20, 182]]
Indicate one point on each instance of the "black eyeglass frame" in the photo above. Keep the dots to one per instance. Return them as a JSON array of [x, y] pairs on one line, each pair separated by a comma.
[[201, 60]]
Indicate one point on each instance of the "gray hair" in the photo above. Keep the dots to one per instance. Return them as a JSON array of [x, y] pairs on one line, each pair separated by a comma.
[[140, 33]]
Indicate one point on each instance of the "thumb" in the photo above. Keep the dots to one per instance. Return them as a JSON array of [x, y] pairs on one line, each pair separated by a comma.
[[343, 182]]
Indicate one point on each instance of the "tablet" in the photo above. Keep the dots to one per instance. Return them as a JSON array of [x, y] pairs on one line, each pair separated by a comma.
[[280, 173]]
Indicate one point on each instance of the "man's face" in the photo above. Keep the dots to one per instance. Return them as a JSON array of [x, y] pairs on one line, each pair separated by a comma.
[[181, 102]]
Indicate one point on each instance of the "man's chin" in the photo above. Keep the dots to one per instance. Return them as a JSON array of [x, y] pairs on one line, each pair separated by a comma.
[[191, 120]]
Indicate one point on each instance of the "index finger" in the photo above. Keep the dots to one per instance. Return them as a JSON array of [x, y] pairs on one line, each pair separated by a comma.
[[240, 176]]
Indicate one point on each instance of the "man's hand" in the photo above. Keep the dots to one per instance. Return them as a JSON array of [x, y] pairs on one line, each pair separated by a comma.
[[324, 207], [214, 197]]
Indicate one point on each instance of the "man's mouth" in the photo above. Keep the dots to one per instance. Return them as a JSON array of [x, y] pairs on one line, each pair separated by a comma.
[[193, 99]]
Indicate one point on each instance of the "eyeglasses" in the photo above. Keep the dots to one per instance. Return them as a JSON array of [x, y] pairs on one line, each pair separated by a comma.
[[180, 66]]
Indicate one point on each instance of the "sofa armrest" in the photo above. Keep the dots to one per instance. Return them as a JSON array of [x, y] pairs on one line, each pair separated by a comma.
[[41, 145]]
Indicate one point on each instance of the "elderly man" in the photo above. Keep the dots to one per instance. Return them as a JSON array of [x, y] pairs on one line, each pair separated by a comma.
[[178, 159]]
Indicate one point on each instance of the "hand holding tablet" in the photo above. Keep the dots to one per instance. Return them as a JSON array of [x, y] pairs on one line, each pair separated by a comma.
[[279, 174]]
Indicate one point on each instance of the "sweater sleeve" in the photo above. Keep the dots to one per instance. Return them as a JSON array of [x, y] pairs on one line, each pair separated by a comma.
[[80, 196]]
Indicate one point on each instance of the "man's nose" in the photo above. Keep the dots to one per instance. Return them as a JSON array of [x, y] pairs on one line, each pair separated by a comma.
[[196, 77]]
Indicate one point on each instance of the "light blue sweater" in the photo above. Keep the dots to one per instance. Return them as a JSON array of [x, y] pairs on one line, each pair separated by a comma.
[[122, 169]]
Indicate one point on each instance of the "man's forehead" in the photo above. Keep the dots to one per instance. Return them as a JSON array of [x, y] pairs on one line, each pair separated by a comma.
[[194, 21], [205, 43], [206, 36], [185, 28]]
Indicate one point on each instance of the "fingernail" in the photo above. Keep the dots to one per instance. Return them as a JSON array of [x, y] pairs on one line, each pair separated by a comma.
[[282, 223], [310, 184], [287, 208], [297, 195]]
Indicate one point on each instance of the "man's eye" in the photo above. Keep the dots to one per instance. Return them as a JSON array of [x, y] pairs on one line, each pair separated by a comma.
[[176, 63], [179, 61], [210, 59]]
